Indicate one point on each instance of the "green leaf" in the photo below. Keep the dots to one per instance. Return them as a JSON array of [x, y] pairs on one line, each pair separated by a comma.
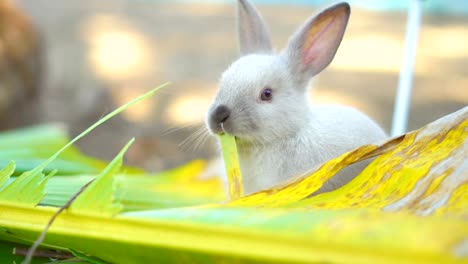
[[98, 197], [26, 189], [6, 172], [177, 187], [260, 235]]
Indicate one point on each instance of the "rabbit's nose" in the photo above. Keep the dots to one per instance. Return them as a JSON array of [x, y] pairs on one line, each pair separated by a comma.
[[221, 114]]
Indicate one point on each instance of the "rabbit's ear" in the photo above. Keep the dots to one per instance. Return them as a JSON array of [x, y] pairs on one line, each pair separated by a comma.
[[314, 45], [253, 33]]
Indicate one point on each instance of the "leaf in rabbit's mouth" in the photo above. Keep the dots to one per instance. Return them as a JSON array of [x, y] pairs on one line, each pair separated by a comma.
[[231, 163]]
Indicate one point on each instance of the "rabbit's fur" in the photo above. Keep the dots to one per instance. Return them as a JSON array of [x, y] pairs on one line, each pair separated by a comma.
[[283, 136]]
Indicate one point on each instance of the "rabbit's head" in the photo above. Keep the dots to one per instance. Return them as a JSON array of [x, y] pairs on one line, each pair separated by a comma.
[[262, 95]]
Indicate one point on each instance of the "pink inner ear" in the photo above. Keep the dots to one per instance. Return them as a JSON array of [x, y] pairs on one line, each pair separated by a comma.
[[318, 40]]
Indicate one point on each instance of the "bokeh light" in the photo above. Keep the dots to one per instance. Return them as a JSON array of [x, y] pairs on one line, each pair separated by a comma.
[[117, 50]]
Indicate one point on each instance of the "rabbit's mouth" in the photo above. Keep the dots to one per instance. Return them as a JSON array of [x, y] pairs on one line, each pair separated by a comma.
[[219, 128]]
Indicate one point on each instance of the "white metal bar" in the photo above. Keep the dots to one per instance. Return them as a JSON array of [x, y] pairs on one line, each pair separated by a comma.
[[403, 97]]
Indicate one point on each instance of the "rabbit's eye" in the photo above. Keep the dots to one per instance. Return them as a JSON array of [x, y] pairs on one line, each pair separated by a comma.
[[266, 95]]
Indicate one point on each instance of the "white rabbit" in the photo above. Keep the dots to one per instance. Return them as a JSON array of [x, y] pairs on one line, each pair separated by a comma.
[[262, 100]]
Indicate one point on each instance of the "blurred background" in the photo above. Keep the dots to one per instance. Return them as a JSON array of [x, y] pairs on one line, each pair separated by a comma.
[[73, 61]]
